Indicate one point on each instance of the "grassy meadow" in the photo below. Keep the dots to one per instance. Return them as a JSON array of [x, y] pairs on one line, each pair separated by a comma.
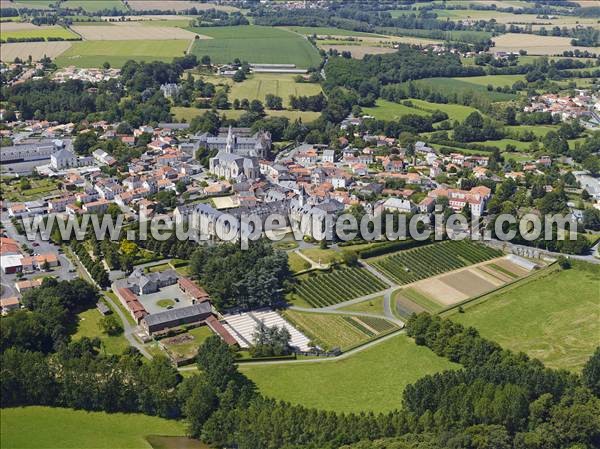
[[257, 86], [45, 32], [554, 318], [187, 114], [117, 53], [255, 44], [370, 380], [89, 326], [94, 6], [52, 428], [459, 86]]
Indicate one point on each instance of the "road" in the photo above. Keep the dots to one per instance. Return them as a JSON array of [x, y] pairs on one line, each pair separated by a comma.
[[515, 248]]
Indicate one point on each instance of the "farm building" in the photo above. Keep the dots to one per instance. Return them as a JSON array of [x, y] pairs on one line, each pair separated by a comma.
[[198, 294], [176, 317]]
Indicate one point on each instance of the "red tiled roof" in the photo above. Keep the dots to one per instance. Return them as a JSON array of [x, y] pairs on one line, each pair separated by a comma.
[[218, 328]]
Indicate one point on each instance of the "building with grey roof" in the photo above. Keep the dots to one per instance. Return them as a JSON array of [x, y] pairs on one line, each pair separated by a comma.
[[195, 313]]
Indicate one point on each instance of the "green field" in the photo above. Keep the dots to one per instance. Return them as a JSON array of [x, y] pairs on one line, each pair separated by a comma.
[[371, 380], [494, 80], [117, 53], [340, 285], [54, 428], [187, 344], [388, 110], [454, 111], [45, 32], [418, 298], [256, 87], [255, 44], [374, 306], [459, 86], [93, 6], [419, 263], [554, 318], [89, 326]]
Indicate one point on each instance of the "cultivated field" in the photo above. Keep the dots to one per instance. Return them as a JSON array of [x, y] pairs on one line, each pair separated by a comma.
[[259, 85], [419, 263], [255, 44], [338, 286], [374, 306], [26, 30], [554, 317], [173, 5], [93, 6], [437, 293], [125, 32], [330, 331], [534, 44], [52, 428], [328, 31], [359, 51], [371, 380], [37, 50], [117, 53]]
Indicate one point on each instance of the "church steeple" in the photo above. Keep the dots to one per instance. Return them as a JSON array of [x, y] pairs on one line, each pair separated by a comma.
[[230, 141]]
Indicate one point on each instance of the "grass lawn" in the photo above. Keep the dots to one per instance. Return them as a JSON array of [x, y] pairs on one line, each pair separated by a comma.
[[255, 44], [51, 428], [371, 380], [388, 110], [46, 32], [94, 6], [117, 53], [323, 256], [502, 144], [555, 318], [369, 306], [256, 87], [89, 326], [33, 4], [297, 263], [165, 303]]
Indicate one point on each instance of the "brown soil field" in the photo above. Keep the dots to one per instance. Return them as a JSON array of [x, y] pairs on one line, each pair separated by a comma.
[[513, 268], [16, 26], [495, 274], [535, 45], [441, 291], [37, 50], [126, 32], [470, 283], [173, 5]]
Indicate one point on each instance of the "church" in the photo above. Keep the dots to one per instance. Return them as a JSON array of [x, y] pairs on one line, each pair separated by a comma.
[[235, 162]]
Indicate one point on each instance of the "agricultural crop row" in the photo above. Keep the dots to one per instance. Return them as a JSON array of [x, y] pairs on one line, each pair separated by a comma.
[[420, 263], [338, 286]]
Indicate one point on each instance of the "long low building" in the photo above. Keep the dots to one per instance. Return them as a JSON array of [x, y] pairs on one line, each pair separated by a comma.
[[195, 313]]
